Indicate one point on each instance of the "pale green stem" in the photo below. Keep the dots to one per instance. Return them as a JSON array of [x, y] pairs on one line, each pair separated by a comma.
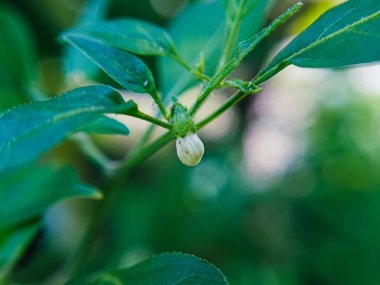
[[232, 34], [159, 103], [179, 59], [145, 117], [86, 144], [236, 60]]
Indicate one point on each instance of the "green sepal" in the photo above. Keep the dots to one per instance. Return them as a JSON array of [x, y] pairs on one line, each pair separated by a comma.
[[182, 122]]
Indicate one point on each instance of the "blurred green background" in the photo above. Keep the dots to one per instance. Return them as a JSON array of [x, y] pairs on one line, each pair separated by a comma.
[[287, 193]]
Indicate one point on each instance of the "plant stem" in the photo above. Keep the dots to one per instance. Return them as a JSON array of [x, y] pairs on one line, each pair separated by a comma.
[[145, 117], [215, 81], [245, 48], [230, 42], [233, 31], [233, 100], [141, 155], [159, 103], [87, 145], [178, 58]]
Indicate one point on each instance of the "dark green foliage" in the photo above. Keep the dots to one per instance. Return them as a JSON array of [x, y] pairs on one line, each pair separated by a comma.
[[345, 35], [29, 191], [37, 127]]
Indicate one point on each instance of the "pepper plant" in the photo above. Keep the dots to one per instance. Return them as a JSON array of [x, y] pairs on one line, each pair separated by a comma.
[[345, 35]]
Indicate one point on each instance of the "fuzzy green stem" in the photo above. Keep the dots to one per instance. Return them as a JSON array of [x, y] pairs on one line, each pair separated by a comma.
[[245, 48], [145, 117], [179, 59], [214, 83], [232, 101], [159, 103], [230, 42], [233, 31], [87, 145]]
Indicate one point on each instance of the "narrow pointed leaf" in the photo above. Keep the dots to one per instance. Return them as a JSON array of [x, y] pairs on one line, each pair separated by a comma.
[[28, 191], [132, 35], [105, 125], [346, 35], [168, 268], [30, 129], [126, 69]]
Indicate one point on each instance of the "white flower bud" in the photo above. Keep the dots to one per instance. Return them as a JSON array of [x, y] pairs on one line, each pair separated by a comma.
[[190, 149]]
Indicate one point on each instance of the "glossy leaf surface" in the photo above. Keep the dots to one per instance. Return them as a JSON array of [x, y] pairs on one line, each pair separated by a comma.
[[106, 125], [30, 129], [126, 69], [346, 35], [132, 35]]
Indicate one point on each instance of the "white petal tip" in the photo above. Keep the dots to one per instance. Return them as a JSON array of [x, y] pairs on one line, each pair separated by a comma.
[[190, 149]]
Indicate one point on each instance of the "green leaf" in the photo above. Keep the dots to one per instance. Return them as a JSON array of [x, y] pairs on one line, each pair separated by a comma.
[[30, 129], [126, 69], [14, 242], [105, 125], [132, 35], [164, 269], [28, 191], [346, 35], [78, 68]]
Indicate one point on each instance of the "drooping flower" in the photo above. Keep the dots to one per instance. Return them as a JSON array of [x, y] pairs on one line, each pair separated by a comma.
[[190, 148]]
